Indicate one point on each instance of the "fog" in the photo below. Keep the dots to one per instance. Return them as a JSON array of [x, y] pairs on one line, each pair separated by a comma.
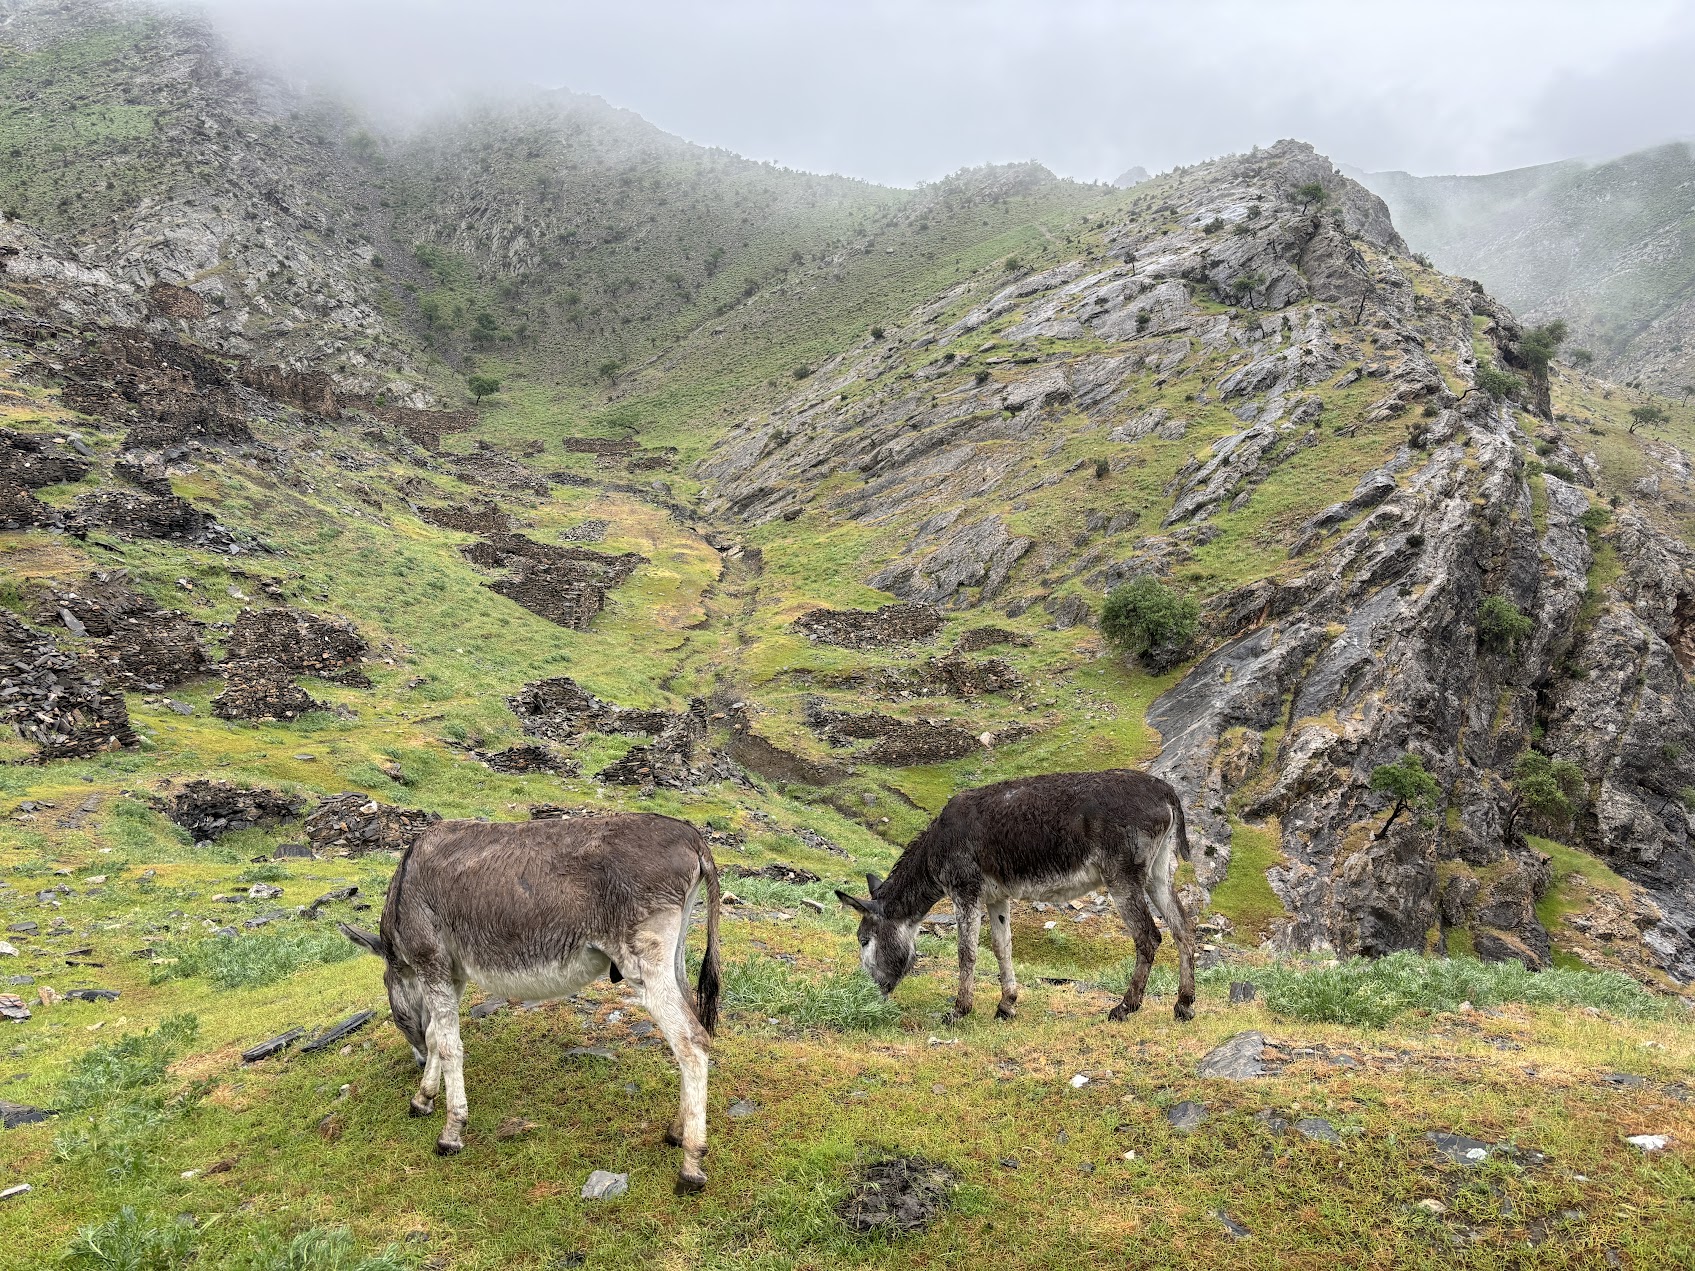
[[906, 92]]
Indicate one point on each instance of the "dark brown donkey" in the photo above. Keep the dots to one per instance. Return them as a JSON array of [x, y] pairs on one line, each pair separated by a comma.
[[538, 909], [1050, 838]]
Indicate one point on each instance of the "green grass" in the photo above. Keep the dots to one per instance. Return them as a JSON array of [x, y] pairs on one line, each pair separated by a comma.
[[244, 961], [844, 1001]]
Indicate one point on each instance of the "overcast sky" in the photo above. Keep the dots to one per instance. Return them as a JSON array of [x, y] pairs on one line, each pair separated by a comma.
[[907, 91]]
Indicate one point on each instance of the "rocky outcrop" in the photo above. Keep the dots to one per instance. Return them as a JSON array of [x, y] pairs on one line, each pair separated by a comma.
[[66, 708]]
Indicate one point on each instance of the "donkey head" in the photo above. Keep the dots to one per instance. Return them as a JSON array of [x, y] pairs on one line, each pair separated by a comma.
[[405, 994], [887, 948]]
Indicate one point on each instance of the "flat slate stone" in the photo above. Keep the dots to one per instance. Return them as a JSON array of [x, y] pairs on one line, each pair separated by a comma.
[[1625, 1080], [741, 1109], [1186, 1116], [604, 1185], [482, 1010], [335, 1032], [13, 1115], [93, 995], [1242, 991], [1317, 1129], [1235, 1228], [275, 1046], [1649, 1142], [1237, 1059], [1460, 1149], [589, 1052]]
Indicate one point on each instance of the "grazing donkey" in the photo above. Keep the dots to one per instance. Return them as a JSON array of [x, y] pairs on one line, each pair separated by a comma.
[[1052, 838], [539, 909]]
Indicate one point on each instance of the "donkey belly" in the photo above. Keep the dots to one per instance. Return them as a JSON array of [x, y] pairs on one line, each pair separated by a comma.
[[1055, 889], [542, 982]]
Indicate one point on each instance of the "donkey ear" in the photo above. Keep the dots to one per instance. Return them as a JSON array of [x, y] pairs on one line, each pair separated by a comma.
[[366, 940], [868, 907], [874, 883]]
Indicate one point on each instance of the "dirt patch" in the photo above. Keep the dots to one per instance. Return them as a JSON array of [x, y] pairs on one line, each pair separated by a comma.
[[979, 638], [529, 758], [469, 518], [353, 824], [774, 763], [951, 676], [871, 629], [656, 459], [898, 1194], [65, 708], [209, 809], [300, 643]]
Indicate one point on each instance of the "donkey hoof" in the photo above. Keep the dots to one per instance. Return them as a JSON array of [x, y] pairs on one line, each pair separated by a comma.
[[1183, 1011], [674, 1137], [1003, 1011], [689, 1182], [444, 1147], [1122, 1012], [420, 1107]]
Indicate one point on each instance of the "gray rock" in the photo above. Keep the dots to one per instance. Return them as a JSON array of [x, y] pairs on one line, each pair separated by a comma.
[[1460, 1149], [604, 1185], [1237, 1059], [589, 1052], [741, 1109], [1242, 991], [17, 1189], [1317, 1129], [1625, 1080], [1186, 1116], [1236, 1229], [482, 1010], [16, 1114], [7, 950]]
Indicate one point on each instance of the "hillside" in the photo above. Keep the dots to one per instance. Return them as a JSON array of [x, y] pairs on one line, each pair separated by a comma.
[[1609, 247], [793, 545]]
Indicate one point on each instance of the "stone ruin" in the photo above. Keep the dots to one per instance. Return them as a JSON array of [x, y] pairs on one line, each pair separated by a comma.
[[29, 462], [354, 824], [900, 742], [951, 675], [131, 515], [140, 645], [487, 466], [565, 585], [63, 706], [678, 756], [301, 643], [528, 758], [899, 623], [211, 809], [592, 530], [979, 638], [468, 518], [269, 648]]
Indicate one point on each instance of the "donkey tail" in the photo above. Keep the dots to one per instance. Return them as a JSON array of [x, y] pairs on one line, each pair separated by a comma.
[[706, 989], [1179, 828]]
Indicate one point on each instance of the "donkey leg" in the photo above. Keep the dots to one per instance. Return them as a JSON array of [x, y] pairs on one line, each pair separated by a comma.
[[429, 1081], [1164, 895], [1000, 937], [671, 1011], [447, 1055], [970, 930], [1133, 908]]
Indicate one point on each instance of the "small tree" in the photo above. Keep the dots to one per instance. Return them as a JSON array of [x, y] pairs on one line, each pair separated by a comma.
[[1546, 788], [1538, 346], [1646, 415], [482, 385], [1148, 620], [1312, 194], [1501, 625], [608, 369], [1407, 782], [1497, 383], [1582, 359], [877, 333]]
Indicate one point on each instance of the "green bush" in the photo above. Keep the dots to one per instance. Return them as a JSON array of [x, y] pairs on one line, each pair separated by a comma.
[[1146, 619], [1546, 787], [1497, 383], [1408, 783], [1501, 625]]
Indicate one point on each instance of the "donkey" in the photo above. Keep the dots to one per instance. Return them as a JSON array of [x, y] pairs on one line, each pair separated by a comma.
[[1052, 838], [539, 909]]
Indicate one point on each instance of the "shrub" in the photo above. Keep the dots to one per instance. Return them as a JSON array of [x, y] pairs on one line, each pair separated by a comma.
[[1597, 519], [1646, 416], [1012, 264], [1582, 359], [1538, 346], [1496, 383], [1311, 194], [1213, 226], [876, 333], [1501, 625], [1102, 468], [801, 372], [1146, 619], [1407, 782], [1545, 787]]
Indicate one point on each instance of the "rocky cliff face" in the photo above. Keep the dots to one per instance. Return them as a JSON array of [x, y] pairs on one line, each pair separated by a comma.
[[1293, 329]]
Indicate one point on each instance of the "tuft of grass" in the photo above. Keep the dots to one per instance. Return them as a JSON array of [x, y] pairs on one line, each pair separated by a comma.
[[844, 1002], [1369, 993], [250, 961], [128, 1242], [316, 1249], [128, 1064]]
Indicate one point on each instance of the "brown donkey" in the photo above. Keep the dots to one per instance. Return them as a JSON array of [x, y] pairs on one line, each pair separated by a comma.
[[1053, 838], [538, 909]]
